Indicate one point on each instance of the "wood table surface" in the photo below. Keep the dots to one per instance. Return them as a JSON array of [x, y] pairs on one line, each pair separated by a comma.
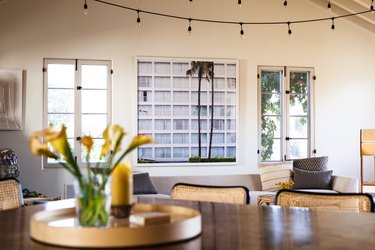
[[228, 226]]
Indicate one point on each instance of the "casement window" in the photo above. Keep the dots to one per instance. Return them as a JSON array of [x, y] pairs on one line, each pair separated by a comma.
[[77, 93], [286, 121], [168, 108]]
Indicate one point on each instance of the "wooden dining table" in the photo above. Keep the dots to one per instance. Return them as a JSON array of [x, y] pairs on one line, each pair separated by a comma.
[[228, 226]]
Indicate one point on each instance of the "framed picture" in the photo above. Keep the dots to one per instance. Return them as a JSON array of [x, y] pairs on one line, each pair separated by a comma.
[[11, 112]]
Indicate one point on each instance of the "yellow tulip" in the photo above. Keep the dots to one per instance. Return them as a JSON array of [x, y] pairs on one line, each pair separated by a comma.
[[59, 141], [87, 142]]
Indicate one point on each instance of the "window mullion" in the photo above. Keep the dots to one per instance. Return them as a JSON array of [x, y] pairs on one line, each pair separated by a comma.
[[78, 112], [285, 116]]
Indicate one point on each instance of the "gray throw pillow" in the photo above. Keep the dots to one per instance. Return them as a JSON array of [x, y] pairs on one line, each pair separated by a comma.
[[311, 179], [142, 184], [312, 164]]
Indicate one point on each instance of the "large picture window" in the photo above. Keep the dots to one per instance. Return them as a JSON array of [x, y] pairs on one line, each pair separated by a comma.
[[286, 113], [189, 107], [78, 95]]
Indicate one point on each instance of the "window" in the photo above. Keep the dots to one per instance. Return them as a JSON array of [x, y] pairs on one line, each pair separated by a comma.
[[78, 95], [286, 113], [169, 102]]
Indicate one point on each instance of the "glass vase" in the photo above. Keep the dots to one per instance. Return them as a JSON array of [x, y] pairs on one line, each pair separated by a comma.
[[93, 200]]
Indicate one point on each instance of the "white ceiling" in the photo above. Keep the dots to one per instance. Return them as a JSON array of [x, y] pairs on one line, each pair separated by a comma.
[[343, 7]]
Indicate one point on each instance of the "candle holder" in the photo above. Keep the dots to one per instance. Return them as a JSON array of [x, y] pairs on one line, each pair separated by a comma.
[[121, 211]]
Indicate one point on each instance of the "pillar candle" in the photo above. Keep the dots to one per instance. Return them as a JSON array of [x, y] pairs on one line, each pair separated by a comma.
[[122, 185]]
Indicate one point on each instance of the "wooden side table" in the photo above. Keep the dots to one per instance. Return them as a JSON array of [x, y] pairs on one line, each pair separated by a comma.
[[266, 200]]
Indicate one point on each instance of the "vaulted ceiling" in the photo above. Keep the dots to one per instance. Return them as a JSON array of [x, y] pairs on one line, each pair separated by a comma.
[[344, 7]]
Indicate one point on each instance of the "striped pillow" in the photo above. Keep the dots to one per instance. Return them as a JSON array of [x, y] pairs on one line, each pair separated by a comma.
[[272, 174]]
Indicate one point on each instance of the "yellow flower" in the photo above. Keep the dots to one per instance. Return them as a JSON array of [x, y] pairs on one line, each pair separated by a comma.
[[112, 139], [139, 140], [87, 142], [40, 149], [285, 185], [59, 141]]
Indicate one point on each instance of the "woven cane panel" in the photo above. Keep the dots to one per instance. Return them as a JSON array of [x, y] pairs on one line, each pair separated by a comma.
[[211, 194], [352, 203], [10, 196]]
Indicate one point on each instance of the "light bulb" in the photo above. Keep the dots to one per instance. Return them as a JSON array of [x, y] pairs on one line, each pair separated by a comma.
[[85, 8]]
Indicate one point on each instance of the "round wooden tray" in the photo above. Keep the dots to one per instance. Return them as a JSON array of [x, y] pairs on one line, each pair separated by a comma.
[[60, 227]]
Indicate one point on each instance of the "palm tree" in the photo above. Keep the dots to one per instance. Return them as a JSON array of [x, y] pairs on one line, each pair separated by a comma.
[[204, 69]]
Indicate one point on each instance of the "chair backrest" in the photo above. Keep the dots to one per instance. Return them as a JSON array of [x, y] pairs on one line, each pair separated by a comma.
[[224, 194], [353, 202], [10, 194]]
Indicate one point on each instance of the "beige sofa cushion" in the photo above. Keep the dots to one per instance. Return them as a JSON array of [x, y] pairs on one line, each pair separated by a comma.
[[271, 174]]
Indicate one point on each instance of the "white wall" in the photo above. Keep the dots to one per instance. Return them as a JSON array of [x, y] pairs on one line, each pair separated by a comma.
[[31, 30]]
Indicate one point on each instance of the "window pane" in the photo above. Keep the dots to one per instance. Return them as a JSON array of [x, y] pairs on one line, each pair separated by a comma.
[[231, 124], [194, 97], [94, 101], [194, 125], [194, 152], [298, 148], [231, 69], [219, 97], [144, 110], [162, 110], [231, 152], [162, 68], [144, 125], [194, 138], [60, 75], [181, 124], [219, 83], [163, 138], [144, 68], [271, 81], [162, 96], [94, 76], [181, 82], [60, 100], [231, 98], [194, 111], [271, 104], [298, 127], [145, 153], [181, 110], [57, 120], [162, 82], [144, 81], [163, 152], [271, 149], [219, 110], [298, 105], [231, 111], [299, 82], [94, 125], [219, 69], [218, 138], [219, 124], [144, 96], [231, 83], [217, 152], [271, 127], [181, 152], [180, 68], [180, 138], [162, 124], [195, 82], [181, 96], [231, 138]]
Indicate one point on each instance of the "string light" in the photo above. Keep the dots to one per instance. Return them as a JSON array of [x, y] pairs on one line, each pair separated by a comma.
[[242, 33], [236, 22], [329, 6], [239, 3], [333, 23], [189, 28], [85, 8], [138, 19], [285, 3], [372, 7], [289, 30]]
